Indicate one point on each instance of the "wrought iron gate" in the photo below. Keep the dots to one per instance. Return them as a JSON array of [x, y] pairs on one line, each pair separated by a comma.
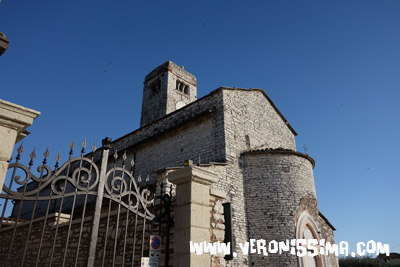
[[80, 214]]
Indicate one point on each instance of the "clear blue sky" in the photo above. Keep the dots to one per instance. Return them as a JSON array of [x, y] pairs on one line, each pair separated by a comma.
[[332, 68]]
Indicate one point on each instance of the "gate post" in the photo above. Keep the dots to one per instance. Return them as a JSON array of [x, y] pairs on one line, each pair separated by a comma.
[[192, 213], [99, 201], [14, 119]]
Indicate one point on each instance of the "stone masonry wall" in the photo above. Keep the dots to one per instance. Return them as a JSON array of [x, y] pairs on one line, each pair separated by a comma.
[[250, 122], [213, 129], [176, 73], [327, 234], [217, 227], [172, 149], [160, 94], [278, 188], [154, 99], [193, 132]]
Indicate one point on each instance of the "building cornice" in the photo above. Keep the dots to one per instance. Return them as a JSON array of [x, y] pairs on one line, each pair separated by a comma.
[[16, 117], [281, 151]]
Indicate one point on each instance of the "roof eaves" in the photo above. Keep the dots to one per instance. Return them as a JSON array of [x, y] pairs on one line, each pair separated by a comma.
[[326, 220], [281, 151]]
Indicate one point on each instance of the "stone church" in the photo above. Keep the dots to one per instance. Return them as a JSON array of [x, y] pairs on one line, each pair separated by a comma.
[[229, 158], [240, 136]]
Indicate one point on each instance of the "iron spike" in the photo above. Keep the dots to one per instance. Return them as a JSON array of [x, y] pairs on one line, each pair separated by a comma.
[[115, 155], [124, 155], [83, 146], [20, 149], [33, 154], [147, 178], [132, 162], [46, 155], [132, 165], [139, 178], [94, 147], [58, 157], [72, 146]]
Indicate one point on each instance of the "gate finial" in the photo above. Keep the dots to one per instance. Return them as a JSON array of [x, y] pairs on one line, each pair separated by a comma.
[[32, 156], [58, 158], [46, 155], [72, 146], [83, 146], [106, 143], [20, 150], [132, 163]]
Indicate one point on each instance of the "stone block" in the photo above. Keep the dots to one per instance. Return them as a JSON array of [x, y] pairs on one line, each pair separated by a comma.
[[192, 215], [182, 238], [192, 193]]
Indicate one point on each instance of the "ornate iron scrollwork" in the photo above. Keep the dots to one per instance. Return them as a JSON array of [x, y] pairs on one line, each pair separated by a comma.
[[121, 183], [84, 178], [76, 191]]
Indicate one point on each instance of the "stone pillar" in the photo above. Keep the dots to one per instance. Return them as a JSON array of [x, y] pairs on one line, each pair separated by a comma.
[[192, 213], [14, 120]]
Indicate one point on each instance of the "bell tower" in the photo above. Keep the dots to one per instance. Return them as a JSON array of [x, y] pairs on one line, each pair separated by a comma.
[[166, 89]]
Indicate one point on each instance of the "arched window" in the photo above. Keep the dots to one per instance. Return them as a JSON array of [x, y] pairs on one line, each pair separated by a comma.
[[307, 229], [182, 87]]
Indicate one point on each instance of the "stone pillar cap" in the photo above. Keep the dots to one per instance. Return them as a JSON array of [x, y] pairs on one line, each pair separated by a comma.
[[192, 174], [4, 42], [16, 117]]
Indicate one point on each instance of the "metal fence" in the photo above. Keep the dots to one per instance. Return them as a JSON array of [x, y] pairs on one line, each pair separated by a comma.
[[80, 214]]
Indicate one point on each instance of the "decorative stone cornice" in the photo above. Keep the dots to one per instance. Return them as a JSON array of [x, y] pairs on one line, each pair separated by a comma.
[[16, 117], [192, 174], [4, 42], [281, 151]]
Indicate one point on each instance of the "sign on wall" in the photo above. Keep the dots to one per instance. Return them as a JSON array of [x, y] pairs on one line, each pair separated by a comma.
[[155, 246], [149, 262]]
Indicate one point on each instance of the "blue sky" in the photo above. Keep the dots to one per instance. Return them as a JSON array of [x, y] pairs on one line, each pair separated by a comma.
[[332, 68]]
